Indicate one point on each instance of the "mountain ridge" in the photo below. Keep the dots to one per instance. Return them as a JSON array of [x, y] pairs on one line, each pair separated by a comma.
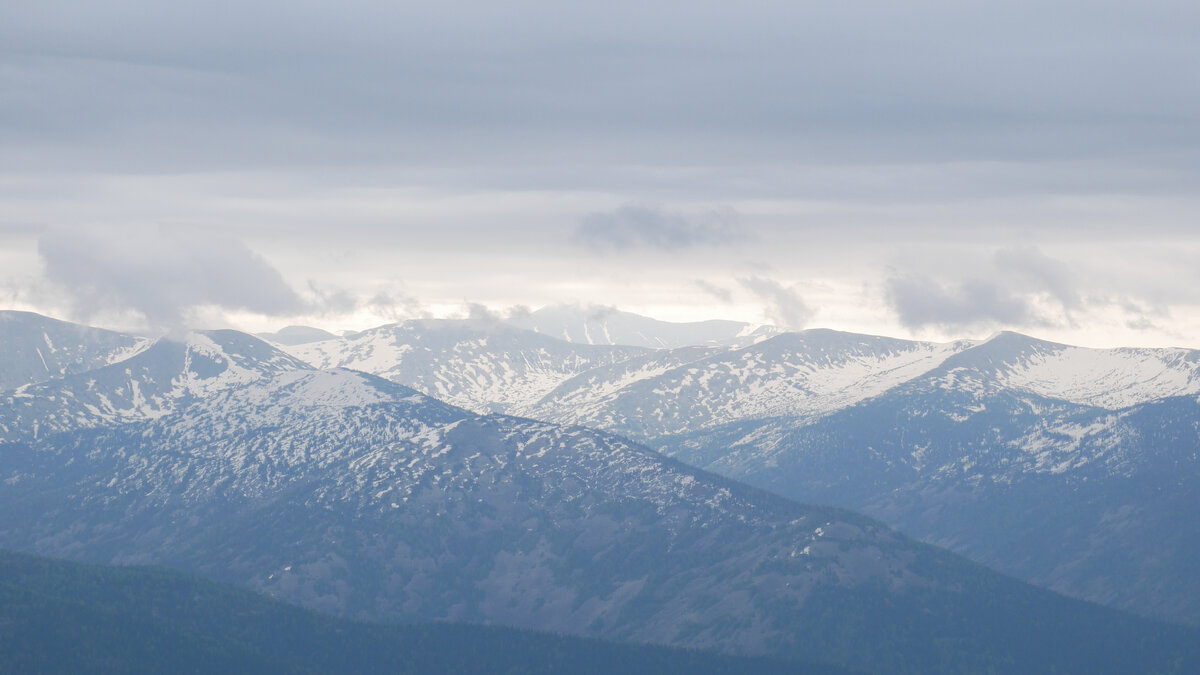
[[347, 493]]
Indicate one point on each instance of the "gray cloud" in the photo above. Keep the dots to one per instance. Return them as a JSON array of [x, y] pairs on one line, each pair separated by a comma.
[[922, 301], [1031, 270], [635, 226], [720, 293], [1021, 287], [481, 313], [519, 313], [784, 306], [329, 300], [599, 313], [161, 273], [453, 141], [396, 306], [636, 85]]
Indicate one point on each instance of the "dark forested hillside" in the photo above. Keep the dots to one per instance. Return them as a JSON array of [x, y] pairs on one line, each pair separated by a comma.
[[58, 616]]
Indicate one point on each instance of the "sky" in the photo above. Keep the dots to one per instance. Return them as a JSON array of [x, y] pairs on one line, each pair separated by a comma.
[[922, 169]]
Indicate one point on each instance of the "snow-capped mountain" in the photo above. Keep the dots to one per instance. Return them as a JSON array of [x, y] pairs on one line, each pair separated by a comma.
[[1105, 378], [35, 348], [943, 440], [355, 495], [1004, 453], [799, 376], [479, 365], [152, 382], [609, 326]]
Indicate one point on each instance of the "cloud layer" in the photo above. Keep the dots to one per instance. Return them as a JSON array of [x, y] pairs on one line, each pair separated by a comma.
[[783, 306], [162, 273], [407, 157], [1021, 287], [636, 226]]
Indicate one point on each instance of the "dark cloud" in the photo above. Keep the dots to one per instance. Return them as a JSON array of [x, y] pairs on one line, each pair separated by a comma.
[[161, 273], [638, 226], [784, 305]]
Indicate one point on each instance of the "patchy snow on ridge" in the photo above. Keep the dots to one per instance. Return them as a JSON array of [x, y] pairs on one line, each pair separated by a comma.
[[799, 375], [1107, 378], [154, 381], [485, 367]]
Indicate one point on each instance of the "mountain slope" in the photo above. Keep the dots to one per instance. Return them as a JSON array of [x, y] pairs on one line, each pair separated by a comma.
[[1078, 498], [154, 381], [797, 375], [1105, 378], [35, 348], [66, 617], [483, 366], [352, 494]]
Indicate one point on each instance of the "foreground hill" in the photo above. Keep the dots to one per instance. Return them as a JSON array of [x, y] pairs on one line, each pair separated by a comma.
[[351, 494], [59, 616]]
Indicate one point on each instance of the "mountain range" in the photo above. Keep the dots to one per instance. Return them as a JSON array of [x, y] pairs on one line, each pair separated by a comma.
[[768, 413], [219, 454]]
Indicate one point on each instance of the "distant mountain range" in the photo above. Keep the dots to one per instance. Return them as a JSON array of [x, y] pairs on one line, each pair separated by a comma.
[[480, 365], [768, 413], [1067, 467], [155, 380], [342, 491]]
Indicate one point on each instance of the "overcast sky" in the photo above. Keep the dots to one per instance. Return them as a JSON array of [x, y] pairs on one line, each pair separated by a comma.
[[925, 169]]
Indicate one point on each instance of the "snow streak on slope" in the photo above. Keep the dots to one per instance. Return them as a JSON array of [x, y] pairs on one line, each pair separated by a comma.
[[591, 390], [151, 383], [798, 375], [359, 496], [34, 348], [486, 367], [1108, 378]]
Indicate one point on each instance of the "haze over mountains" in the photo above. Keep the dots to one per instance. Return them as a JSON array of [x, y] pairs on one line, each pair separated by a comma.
[[369, 476], [610, 326]]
